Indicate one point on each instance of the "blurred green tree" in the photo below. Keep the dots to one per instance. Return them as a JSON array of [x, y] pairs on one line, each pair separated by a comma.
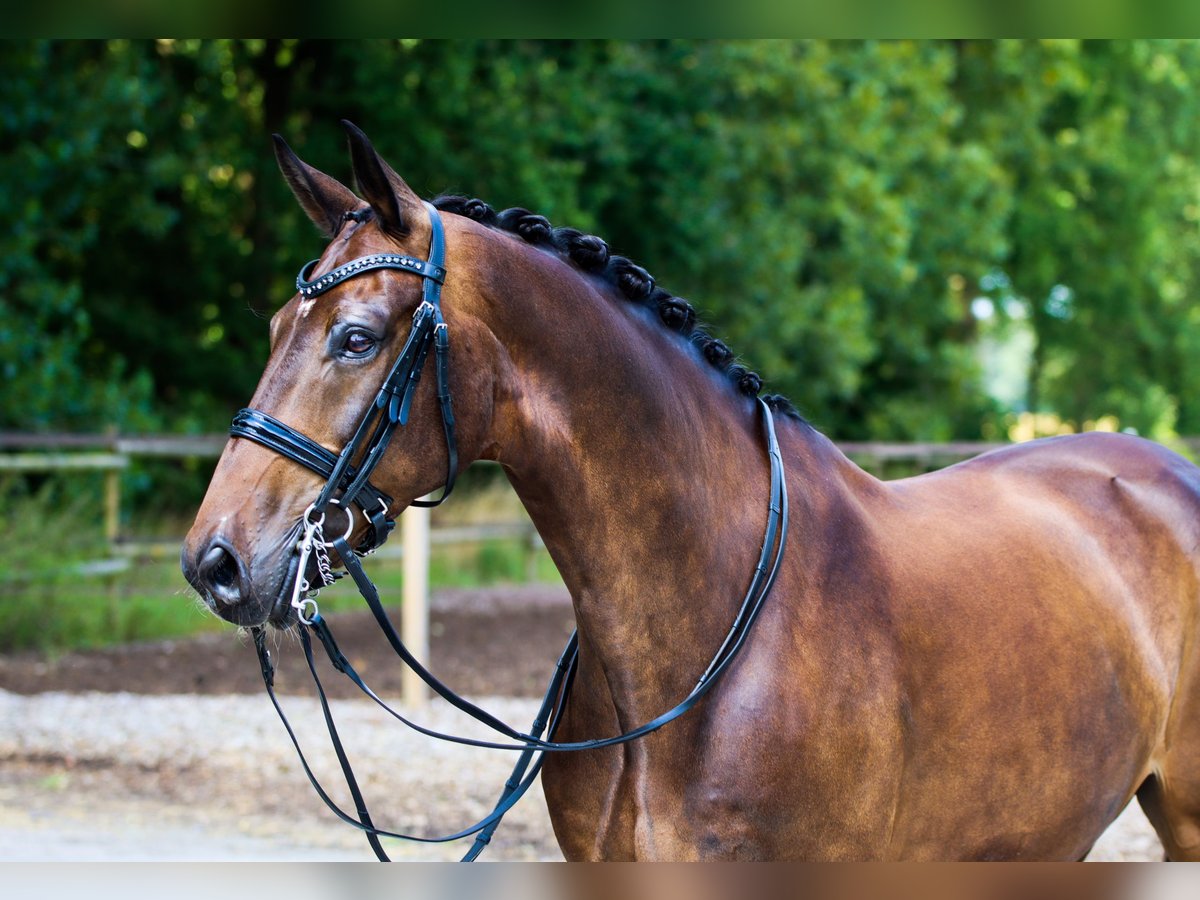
[[832, 208], [1100, 145]]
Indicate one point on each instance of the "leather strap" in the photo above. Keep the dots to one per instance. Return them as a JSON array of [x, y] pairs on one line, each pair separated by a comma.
[[532, 742], [761, 582], [261, 428], [392, 403], [442, 340], [518, 783]]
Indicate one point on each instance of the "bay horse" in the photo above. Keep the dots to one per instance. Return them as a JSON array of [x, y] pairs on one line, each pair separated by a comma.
[[985, 662]]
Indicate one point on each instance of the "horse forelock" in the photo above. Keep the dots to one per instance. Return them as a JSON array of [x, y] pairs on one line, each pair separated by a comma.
[[590, 254]]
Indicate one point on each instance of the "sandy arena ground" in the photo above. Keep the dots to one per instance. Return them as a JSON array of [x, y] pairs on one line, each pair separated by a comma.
[[136, 753]]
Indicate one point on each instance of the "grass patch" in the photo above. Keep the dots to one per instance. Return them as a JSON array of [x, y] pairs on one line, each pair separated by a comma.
[[53, 528], [52, 535]]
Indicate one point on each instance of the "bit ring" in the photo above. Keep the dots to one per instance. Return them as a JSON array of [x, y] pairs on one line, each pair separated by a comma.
[[349, 523], [305, 604]]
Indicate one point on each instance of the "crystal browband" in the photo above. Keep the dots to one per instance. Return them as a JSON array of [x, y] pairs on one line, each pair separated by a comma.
[[364, 264]]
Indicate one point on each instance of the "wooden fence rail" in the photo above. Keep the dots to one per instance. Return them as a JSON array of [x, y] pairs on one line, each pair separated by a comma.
[[177, 445], [112, 454]]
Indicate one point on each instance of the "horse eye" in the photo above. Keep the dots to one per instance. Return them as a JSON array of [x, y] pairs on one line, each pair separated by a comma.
[[359, 343]]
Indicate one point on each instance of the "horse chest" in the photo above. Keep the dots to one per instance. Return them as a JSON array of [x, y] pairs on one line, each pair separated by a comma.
[[717, 787], [620, 804]]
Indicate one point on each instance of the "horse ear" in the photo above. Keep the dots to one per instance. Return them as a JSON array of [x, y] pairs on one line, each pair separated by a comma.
[[386, 191], [326, 200]]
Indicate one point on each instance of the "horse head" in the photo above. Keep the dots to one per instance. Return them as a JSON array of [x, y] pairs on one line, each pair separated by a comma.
[[332, 376]]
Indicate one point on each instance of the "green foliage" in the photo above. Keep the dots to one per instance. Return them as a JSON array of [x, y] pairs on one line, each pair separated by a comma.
[[832, 208], [58, 166], [1100, 141], [52, 604], [813, 201]]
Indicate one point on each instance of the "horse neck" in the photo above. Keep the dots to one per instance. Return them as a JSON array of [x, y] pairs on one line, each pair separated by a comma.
[[645, 472]]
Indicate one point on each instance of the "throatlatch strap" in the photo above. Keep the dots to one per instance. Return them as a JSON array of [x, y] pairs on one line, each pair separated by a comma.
[[442, 339]]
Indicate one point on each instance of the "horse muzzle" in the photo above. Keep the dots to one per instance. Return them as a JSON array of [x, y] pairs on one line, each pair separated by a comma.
[[241, 590]]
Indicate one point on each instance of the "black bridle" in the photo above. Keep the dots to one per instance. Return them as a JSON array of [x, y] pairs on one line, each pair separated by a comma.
[[390, 410], [391, 406]]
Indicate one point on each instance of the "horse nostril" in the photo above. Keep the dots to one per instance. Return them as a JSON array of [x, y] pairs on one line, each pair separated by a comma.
[[221, 573]]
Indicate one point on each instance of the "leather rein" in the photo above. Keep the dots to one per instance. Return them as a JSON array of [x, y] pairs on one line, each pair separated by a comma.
[[390, 410]]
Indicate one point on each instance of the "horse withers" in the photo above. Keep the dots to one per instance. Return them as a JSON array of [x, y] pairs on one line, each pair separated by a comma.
[[986, 662]]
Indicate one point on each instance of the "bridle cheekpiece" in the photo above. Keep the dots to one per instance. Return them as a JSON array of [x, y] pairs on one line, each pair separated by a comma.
[[392, 403]]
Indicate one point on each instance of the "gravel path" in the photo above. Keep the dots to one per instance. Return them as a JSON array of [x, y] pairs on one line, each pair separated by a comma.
[[125, 776], [134, 777]]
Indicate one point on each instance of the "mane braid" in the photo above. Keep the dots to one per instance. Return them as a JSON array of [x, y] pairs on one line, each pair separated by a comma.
[[591, 255]]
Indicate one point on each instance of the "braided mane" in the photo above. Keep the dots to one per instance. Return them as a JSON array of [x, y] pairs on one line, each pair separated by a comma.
[[591, 254]]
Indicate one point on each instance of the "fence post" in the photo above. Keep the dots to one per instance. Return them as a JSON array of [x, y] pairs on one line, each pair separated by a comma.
[[112, 507], [112, 499], [531, 554], [414, 615]]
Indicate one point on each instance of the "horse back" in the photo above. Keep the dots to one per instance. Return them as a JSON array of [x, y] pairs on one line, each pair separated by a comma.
[[1064, 540], [1041, 601]]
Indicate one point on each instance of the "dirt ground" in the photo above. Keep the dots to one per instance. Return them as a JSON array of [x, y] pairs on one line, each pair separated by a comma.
[[169, 751], [500, 642]]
